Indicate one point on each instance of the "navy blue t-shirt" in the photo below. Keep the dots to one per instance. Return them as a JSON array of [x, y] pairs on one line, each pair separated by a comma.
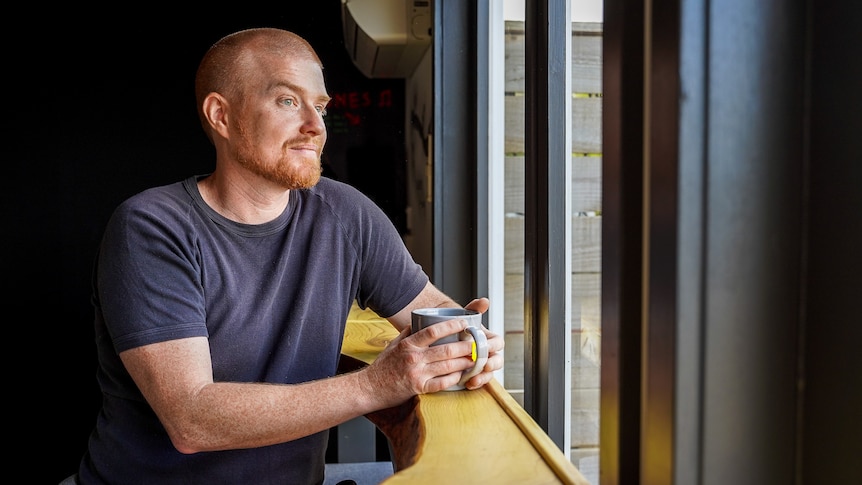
[[271, 298]]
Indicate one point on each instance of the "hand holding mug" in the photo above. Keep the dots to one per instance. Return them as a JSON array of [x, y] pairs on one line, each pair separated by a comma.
[[424, 317]]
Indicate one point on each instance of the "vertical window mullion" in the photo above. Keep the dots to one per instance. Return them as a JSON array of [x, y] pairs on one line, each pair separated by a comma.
[[547, 256]]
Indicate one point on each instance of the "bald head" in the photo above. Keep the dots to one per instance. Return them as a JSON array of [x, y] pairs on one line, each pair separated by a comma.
[[234, 60]]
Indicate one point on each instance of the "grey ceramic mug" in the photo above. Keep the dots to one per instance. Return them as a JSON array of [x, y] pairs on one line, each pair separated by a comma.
[[424, 317]]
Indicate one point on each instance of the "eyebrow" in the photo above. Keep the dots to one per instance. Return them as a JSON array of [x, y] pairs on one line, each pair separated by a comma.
[[324, 98]]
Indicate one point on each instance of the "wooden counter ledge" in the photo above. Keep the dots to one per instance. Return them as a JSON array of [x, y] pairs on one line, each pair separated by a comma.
[[457, 436]]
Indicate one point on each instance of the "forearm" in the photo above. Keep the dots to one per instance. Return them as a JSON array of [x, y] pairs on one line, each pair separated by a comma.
[[225, 415]]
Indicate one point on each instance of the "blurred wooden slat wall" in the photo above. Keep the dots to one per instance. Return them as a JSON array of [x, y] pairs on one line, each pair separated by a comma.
[[586, 229]]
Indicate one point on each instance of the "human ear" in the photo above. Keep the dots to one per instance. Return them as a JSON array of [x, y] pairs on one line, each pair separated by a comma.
[[215, 112]]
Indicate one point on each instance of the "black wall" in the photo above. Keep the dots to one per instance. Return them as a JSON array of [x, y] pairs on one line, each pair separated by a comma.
[[99, 110]]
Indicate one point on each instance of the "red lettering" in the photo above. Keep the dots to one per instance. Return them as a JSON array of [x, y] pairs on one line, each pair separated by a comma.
[[385, 99], [339, 100], [352, 119], [365, 99]]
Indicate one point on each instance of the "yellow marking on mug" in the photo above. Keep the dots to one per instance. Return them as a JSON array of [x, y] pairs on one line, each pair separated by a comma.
[[473, 353]]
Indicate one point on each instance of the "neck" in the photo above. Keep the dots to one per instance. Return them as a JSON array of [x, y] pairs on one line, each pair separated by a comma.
[[242, 200]]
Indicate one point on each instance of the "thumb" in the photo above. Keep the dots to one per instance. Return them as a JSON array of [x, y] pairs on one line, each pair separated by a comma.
[[480, 305]]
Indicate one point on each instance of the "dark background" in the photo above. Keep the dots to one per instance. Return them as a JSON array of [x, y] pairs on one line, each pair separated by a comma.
[[101, 106]]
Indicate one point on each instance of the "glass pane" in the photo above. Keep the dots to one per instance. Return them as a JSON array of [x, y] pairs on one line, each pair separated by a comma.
[[514, 199], [586, 59]]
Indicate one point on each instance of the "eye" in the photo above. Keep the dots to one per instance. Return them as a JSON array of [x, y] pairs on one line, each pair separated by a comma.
[[321, 110], [289, 102]]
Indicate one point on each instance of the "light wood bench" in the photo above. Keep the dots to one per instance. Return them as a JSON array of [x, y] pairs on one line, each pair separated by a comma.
[[456, 436]]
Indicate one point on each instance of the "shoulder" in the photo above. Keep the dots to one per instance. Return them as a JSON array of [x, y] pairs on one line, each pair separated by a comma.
[[166, 205], [341, 198], [165, 197], [335, 191], [346, 208]]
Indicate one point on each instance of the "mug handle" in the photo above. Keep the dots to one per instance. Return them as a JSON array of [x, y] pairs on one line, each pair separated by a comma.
[[481, 342]]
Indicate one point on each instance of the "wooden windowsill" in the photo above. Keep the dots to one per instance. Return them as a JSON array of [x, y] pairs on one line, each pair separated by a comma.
[[456, 436]]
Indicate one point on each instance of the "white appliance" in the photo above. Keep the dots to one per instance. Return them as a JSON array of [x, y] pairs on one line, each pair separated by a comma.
[[386, 38]]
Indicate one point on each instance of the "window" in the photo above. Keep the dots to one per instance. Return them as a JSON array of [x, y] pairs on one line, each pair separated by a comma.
[[584, 252]]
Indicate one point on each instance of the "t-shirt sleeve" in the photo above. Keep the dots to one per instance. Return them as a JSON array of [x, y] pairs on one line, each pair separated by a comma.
[[389, 276], [148, 275]]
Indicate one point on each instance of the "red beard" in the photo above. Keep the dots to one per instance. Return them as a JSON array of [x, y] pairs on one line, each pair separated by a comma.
[[290, 171]]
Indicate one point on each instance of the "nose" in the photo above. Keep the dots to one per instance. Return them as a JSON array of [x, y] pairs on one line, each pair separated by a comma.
[[312, 120]]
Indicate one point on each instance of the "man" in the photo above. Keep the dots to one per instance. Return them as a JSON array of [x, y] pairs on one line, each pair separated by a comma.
[[221, 300]]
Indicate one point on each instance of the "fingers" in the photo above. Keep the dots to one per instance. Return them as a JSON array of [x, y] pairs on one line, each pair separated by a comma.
[[411, 365], [495, 342], [494, 363], [443, 381], [479, 380], [443, 366], [433, 333], [453, 348], [454, 351], [480, 305]]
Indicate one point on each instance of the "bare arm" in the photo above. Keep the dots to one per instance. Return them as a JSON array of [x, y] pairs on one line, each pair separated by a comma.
[[202, 415]]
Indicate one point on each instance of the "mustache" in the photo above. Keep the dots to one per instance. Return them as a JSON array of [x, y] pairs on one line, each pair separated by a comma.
[[305, 141]]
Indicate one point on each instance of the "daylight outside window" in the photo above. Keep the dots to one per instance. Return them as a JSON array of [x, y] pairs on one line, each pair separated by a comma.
[[586, 160]]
